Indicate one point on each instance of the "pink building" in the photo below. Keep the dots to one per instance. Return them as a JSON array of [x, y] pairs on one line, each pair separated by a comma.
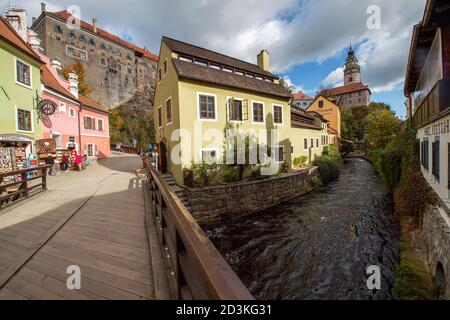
[[79, 122]]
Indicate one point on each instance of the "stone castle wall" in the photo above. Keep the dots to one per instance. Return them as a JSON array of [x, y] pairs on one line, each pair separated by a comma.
[[211, 204], [113, 71]]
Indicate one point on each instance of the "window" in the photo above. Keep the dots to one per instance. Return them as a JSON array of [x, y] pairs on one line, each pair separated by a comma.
[[62, 107], [235, 110], [159, 117], [317, 143], [72, 35], [76, 53], [169, 111], [159, 74], [58, 140], [207, 107], [278, 114], [83, 38], [305, 143], [279, 154], [58, 29], [103, 62], [91, 150], [92, 42], [24, 122], [425, 153], [23, 73], [89, 123], [165, 67], [321, 104], [436, 159], [209, 154], [102, 46], [312, 143], [100, 124], [185, 59], [72, 112], [129, 70], [258, 112]]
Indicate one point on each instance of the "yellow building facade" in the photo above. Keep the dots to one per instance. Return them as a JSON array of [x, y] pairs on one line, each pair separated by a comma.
[[330, 111], [200, 92]]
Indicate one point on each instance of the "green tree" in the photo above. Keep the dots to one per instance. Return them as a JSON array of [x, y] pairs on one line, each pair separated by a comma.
[[78, 68], [381, 127], [350, 128], [285, 84]]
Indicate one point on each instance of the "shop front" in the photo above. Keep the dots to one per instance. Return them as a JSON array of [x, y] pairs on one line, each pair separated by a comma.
[[16, 152]]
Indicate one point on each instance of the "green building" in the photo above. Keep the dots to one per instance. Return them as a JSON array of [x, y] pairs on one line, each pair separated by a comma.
[[20, 87]]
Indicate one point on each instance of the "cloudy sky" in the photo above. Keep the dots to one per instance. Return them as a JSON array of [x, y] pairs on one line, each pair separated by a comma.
[[307, 39]]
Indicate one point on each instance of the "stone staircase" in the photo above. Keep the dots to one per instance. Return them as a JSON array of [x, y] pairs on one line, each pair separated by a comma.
[[180, 192]]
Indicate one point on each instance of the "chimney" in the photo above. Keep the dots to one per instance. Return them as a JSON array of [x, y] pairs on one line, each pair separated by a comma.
[[94, 24], [73, 84], [33, 20], [43, 7], [18, 20], [56, 64], [263, 60]]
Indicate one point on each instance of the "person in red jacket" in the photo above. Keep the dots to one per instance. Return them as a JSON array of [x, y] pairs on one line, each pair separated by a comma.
[[79, 162]]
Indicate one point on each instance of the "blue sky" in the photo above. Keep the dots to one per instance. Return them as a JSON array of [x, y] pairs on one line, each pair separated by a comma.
[[307, 39]]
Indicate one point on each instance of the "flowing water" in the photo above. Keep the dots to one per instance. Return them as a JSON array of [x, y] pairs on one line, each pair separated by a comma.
[[318, 246]]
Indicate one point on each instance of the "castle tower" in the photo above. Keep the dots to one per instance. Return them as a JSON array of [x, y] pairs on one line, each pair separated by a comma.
[[352, 71]]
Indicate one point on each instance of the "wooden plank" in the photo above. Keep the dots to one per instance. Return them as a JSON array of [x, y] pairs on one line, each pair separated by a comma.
[[8, 294], [55, 266], [30, 290]]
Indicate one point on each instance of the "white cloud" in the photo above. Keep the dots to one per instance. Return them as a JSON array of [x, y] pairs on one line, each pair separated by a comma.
[[297, 88], [293, 31], [335, 78]]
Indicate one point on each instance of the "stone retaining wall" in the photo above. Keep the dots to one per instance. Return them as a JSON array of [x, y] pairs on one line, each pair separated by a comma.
[[211, 204], [436, 232]]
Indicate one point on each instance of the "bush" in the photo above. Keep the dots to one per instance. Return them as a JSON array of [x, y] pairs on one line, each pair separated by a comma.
[[230, 175], [329, 168], [204, 173], [300, 161], [284, 167]]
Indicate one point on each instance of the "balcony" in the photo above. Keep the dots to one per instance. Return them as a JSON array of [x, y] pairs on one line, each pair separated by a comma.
[[434, 106]]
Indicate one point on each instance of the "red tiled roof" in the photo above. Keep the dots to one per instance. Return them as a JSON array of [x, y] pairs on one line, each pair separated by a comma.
[[352, 87], [302, 96], [91, 104], [64, 15], [48, 79], [8, 34], [332, 131]]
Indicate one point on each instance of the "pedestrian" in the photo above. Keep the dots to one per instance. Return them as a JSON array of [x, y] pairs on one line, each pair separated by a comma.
[[65, 163], [50, 161], [79, 162]]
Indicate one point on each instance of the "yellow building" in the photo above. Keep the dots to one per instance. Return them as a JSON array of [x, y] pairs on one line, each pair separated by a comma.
[[200, 91], [331, 112]]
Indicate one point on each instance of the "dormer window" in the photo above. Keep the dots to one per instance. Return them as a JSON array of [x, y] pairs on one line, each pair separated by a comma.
[[186, 59], [201, 63], [227, 70]]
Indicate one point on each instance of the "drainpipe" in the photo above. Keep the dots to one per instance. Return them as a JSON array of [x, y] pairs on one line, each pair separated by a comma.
[[79, 125]]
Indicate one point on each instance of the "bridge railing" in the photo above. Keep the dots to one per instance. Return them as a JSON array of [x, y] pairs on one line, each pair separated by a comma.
[[198, 271], [19, 182]]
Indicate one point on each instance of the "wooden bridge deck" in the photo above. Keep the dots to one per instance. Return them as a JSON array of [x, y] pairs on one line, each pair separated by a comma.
[[94, 220]]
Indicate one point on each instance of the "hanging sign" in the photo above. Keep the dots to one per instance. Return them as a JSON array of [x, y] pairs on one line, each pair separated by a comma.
[[47, 107]]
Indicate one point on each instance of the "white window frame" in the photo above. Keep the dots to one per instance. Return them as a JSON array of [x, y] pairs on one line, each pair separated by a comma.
[[17, 120], [228, 109], [15, 74], [209, 149], [264, 112], [93, 121], [276, 155], [53, 134], [160, 125], [74, 113], [103, 125], [62, 109], [94, 149], [215, 107], [74, 56], [171, 110], [282, 114]]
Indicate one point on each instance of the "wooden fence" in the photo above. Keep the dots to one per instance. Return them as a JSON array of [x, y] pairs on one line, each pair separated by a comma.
[[20, 187], [198, 270]]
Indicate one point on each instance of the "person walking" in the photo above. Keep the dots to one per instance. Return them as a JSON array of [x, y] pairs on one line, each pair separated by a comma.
[[50, 161], [65, 163]]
